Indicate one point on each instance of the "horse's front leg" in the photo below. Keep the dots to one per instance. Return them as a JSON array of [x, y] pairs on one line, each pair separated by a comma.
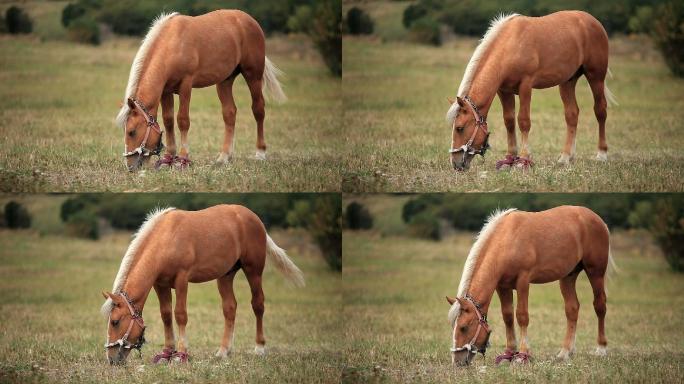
[[183, 117], [165, 308], [521, 314], [181, 314], [167, 117], [524, 121], [229, 305], [567, 93], [506, 298], [508, 105]]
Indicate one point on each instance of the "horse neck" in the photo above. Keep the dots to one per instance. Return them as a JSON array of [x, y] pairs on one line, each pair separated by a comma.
[[486, 83], [151, 85], [140, 279], [484, 280]]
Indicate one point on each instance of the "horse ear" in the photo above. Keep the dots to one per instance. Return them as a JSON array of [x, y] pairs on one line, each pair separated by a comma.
[[106, 295], [131, 104], [461, 103], [450, 100], [451, 300]]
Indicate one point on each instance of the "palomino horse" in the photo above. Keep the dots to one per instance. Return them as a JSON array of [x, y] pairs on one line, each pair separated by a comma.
[[174, 247], [517, 54], [180, 53], [515, 249]]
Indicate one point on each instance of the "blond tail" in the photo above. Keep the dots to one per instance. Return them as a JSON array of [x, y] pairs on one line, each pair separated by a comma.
[[612, 101], [271, 83], [283, 263]]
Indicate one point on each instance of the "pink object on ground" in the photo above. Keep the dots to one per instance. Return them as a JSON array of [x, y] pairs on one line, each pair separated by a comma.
[[507, 355], [167, 160], [182, 162], [508, 160], [522, 358], [180, 357], [165, 355], [523, 162]]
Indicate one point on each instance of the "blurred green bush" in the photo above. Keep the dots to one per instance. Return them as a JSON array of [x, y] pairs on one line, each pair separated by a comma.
[[84, 30], [16, 216], [426, 31], [359, 22], [667, 31], [357, 216], [18, 21], [83, 224]]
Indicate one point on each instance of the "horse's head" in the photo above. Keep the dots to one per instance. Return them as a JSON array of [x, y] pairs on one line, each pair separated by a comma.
[[470, 331], [125, 328], [469, 135], [142, 135]]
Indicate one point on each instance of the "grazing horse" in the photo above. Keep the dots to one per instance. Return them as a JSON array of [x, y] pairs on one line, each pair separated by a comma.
[[174, 247], [515, 249], [180, 53], [518, 54]]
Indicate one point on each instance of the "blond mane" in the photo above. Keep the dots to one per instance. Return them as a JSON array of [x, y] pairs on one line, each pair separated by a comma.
[[491, 34], [150, 221], [136, 67], [473, 256]]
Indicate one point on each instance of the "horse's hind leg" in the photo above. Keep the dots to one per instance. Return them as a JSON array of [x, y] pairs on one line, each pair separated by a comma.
[[567, 285], [254, 279], [181, 314], [598, 286], [597, 85], [255, 82], [567, 93], [229, 111], [229, 305]]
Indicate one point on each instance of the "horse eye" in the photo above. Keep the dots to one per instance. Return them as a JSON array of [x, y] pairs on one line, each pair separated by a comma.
[[459, 129], [131, 133], [115, 323], [463, 329]]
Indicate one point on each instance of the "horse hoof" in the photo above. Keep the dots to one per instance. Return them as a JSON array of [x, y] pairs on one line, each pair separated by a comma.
[[564, 159], [563, 355], [222, 353], [260, 350], [260, 155], [180, 357], [521, 358], [601, 351], [182, 162], [223, 158], [602, 156], [523, 163]]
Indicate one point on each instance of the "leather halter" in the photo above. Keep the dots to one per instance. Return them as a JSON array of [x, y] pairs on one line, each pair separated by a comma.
[[152, 124], [136, 318], [480, 123], [481, 324]]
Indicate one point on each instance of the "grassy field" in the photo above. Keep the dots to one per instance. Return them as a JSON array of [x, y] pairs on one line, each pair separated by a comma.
[[59, 99], [397, 139], [396, 317], [52, 331]]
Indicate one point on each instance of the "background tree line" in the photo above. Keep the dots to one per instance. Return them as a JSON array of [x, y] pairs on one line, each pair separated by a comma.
[[83, 215], [426, 215]]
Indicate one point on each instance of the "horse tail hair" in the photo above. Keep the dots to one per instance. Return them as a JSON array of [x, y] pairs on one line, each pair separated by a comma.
[[271, 83], [283, 263], [609, 95]]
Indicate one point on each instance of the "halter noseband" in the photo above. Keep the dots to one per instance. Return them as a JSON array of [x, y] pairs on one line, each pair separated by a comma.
[[152, 123], [480, 123], [136, 318], [481, 324]]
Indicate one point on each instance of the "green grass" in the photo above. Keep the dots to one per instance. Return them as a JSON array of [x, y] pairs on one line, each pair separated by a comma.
[[59, 99], [397, 140], [52, 330], [396, 316]]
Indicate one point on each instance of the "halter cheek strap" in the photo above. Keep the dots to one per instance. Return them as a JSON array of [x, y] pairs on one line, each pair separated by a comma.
[[136, 318], [152, 124], [480, 123], [481, 324]]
